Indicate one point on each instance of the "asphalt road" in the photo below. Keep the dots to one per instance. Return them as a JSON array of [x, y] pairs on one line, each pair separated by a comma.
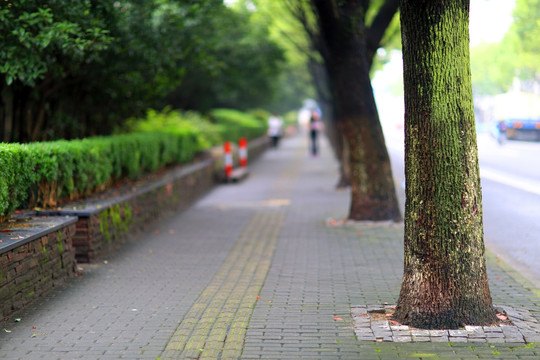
[[511, 201]]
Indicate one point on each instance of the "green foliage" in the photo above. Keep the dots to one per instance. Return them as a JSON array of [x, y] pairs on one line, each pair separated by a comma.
[[15, 160], [190, 123], [200, 132], [51, 171], [525, 32], [492, 67], [260, 114], [36, 35], [291, 118], [70, 69], [295, 81], [234, 124], [238, 65]]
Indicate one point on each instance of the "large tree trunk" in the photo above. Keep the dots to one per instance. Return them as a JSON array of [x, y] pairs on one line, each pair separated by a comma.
[[342, 28], [444, 283], [344, 163]]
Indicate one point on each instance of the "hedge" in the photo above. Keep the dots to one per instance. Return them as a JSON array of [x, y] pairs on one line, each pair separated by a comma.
[[15, 176], [41, 174], [234, 124]]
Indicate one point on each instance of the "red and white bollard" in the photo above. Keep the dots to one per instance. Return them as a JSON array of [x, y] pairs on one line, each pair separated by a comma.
[[228, 159], [242, 152]]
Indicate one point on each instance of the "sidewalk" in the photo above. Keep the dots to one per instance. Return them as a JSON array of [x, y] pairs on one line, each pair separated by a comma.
[[255, 270]]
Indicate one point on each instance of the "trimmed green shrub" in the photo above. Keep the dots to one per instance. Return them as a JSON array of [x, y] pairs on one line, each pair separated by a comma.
[[261, 115], [191, 125], [50, 171], [15, 178], [234, 124], [41, 174]]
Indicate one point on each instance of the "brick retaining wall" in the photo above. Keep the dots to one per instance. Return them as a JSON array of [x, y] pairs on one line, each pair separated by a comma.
[[104, 230], [44, 259], [42, 253]]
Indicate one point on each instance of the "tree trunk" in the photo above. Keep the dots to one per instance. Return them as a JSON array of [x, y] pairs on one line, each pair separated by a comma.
[[444, 284], [344, 164], [342, 28]]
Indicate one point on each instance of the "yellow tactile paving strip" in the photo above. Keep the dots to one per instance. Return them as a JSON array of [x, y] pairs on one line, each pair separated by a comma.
[[216, 324]]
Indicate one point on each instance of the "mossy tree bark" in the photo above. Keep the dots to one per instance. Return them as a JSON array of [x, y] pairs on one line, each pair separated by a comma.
[[344, 47], [444, 283]]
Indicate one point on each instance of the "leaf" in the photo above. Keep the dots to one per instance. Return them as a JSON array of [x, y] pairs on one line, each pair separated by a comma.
[[337, 318], [502, 317], [6, 330]]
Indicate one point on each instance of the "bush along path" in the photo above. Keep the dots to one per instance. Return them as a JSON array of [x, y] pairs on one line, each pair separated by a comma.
[[44, 174]]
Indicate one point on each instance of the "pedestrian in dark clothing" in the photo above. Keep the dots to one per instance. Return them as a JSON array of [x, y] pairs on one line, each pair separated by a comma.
[[315, 126]]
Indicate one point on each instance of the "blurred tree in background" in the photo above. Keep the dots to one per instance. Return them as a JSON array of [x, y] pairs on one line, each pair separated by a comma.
[[77, 68], [235, 64], [494, 66], [525, 31]]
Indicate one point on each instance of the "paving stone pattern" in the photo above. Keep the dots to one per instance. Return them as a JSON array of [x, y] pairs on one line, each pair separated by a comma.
[[261, 269], [372, 324]]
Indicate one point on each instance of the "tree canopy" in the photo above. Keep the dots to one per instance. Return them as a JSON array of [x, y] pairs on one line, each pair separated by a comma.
[[77, 68], [495, 66]]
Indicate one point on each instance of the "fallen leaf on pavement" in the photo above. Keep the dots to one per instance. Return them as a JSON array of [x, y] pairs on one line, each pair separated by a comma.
[[502, 317]]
